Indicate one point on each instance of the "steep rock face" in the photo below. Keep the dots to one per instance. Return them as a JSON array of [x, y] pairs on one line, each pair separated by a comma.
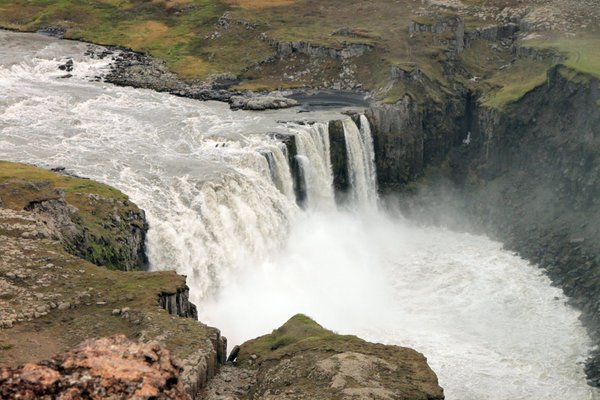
[[303, 360], [408, 136], [533, 177], [178, 303], [527, 174], [92, 221], [339, 157]]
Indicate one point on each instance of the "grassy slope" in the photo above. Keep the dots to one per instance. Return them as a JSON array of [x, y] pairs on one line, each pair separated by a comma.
[[182, 32], [107, 290]]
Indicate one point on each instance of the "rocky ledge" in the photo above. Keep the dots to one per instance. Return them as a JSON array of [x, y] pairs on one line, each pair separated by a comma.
[[142, 71], [303, 360], [91, 220], [52, 299]]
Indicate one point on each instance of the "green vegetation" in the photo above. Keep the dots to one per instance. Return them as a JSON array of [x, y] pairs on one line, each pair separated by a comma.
[[196, 42], [582, 52], [298, 328], [514, 82], [5, 346], [24, 176], [299, 332]]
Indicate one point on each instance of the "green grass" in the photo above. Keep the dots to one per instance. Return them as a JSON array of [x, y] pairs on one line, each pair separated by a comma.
[[5, 346], [177, 31], [583, 52], [24, 175], [514, 82]]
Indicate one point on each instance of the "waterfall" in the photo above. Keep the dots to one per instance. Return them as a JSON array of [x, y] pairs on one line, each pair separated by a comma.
[[280, 170], [312, 142], [361, 163], [219, 196]]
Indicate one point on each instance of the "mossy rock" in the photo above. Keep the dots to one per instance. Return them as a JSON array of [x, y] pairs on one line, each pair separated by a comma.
[[92, 220], [301, 359]]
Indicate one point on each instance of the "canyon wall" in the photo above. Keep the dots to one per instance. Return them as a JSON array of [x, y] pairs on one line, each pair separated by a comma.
[[527, 174]]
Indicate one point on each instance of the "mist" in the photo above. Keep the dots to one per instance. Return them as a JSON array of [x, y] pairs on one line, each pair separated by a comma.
[[480, 314]]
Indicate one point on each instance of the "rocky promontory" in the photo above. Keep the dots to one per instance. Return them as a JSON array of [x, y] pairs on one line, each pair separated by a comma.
[[303, 360], [52, 298], [91, 220]]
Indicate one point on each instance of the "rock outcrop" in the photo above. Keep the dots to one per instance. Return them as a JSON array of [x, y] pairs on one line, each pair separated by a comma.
[[178, 303], [302, 360], [91, 220], [52, 300], [113, 367], [261, 102]]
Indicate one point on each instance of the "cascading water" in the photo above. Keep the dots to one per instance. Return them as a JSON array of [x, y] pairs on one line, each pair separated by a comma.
[[361, 162], [218, 194], [312, 142]]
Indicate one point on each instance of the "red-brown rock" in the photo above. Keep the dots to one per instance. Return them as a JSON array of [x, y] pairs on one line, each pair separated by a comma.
[[107, 368]]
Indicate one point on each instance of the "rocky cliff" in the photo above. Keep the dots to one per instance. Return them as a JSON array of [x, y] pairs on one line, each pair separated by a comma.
[[91, 220], [303, 360], [526, 174], [51, 299]]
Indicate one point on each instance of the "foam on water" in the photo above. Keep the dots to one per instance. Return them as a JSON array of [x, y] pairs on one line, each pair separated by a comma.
[[218, 198]]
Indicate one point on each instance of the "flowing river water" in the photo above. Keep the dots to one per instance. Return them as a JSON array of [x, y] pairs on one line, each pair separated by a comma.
[[219, 197]]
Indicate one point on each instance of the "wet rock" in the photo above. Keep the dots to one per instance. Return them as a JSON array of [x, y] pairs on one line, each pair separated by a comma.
[[68, 66], [260, 103], [234, 353], [53, 31]]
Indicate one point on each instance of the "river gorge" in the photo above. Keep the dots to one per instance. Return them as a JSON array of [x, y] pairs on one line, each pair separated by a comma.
[[220, 191]]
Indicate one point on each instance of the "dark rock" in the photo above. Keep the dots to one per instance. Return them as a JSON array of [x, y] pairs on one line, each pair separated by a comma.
[[53, 31], [527, 175], [178, 303], [68, 66], [234, 354], [339, 157]]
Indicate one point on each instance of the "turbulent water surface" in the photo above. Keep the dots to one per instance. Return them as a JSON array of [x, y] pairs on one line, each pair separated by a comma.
[[218, 193]]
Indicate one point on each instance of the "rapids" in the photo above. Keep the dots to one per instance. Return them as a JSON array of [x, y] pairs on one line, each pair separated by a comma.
[[219, 197]]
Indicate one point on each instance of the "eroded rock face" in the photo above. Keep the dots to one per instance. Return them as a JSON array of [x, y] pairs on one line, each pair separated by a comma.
[[113, 367], [96, 223], [302, 360]]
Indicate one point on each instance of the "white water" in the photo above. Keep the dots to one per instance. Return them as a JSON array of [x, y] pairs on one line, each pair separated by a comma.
[[312, 144], [490, 324], [361, 162]]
